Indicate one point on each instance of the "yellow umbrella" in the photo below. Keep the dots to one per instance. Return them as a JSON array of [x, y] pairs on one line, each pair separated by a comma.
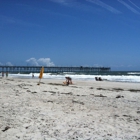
[[41, 74]]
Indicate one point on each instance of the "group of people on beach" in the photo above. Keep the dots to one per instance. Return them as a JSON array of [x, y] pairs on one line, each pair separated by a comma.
[[3, 74], [69, 80], [98, 79]]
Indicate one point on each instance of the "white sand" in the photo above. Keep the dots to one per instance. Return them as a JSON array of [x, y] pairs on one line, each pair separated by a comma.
[[51, 111]]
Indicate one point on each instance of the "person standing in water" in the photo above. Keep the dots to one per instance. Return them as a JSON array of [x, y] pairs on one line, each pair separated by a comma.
[[32, 75]]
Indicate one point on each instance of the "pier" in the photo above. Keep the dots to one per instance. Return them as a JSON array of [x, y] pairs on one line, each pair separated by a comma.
[[54, 69]]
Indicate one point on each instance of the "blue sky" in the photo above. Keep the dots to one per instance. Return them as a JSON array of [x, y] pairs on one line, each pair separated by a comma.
[[70, 33]]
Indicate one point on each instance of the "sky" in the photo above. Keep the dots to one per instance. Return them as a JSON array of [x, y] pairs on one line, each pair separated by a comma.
[[103, 33]]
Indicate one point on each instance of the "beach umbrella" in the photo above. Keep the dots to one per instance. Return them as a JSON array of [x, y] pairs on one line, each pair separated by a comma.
[[41, 74]]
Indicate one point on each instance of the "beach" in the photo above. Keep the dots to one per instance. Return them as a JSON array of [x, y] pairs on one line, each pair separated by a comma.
[[85, 110]]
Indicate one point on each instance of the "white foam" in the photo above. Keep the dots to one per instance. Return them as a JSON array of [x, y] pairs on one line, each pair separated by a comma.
[[118, 78], [133, 73]]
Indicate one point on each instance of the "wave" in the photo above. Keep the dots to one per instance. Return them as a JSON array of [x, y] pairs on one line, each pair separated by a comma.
[[114, 78]]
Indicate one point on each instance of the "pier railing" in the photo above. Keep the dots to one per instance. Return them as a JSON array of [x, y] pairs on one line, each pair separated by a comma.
[[47, 69]]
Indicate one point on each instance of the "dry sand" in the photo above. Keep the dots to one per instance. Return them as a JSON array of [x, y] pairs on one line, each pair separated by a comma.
[[86, 110]]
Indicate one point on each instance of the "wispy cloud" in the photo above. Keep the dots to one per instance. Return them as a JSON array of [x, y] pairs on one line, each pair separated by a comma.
[[64, 2], [76, 4], [11, 20], [71, 3], [107, 7], [134, 4], [6, 19], [129, 7]]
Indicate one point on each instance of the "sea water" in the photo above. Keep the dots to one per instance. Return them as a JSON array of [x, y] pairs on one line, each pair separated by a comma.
[[114, 76]]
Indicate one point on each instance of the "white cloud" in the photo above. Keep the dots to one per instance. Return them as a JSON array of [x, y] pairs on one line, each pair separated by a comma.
[[1, 64], [40, 62], [100, 3], [97, 65], [9, 64], [129, 7], [6, 64], [45, 61], [32, 61]]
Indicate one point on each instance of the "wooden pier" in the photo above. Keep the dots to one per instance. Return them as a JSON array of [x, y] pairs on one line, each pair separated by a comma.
[[36, 69]]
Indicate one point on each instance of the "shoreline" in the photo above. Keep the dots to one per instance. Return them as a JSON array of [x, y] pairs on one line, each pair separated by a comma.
[[83, 110], [63, 79]]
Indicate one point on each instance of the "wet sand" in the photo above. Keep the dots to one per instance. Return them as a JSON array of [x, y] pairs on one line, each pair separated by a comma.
[[86, 110]]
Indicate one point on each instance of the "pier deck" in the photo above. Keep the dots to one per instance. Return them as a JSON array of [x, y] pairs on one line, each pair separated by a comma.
[[47, 69]]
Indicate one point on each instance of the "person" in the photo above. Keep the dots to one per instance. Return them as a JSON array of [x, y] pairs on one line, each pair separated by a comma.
[[68, 81], [100, 79], [32, 75], [2, 74], [6, 74], [96, 78]]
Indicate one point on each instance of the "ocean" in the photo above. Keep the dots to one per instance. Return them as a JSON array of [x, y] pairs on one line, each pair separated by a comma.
[[114, 76]]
